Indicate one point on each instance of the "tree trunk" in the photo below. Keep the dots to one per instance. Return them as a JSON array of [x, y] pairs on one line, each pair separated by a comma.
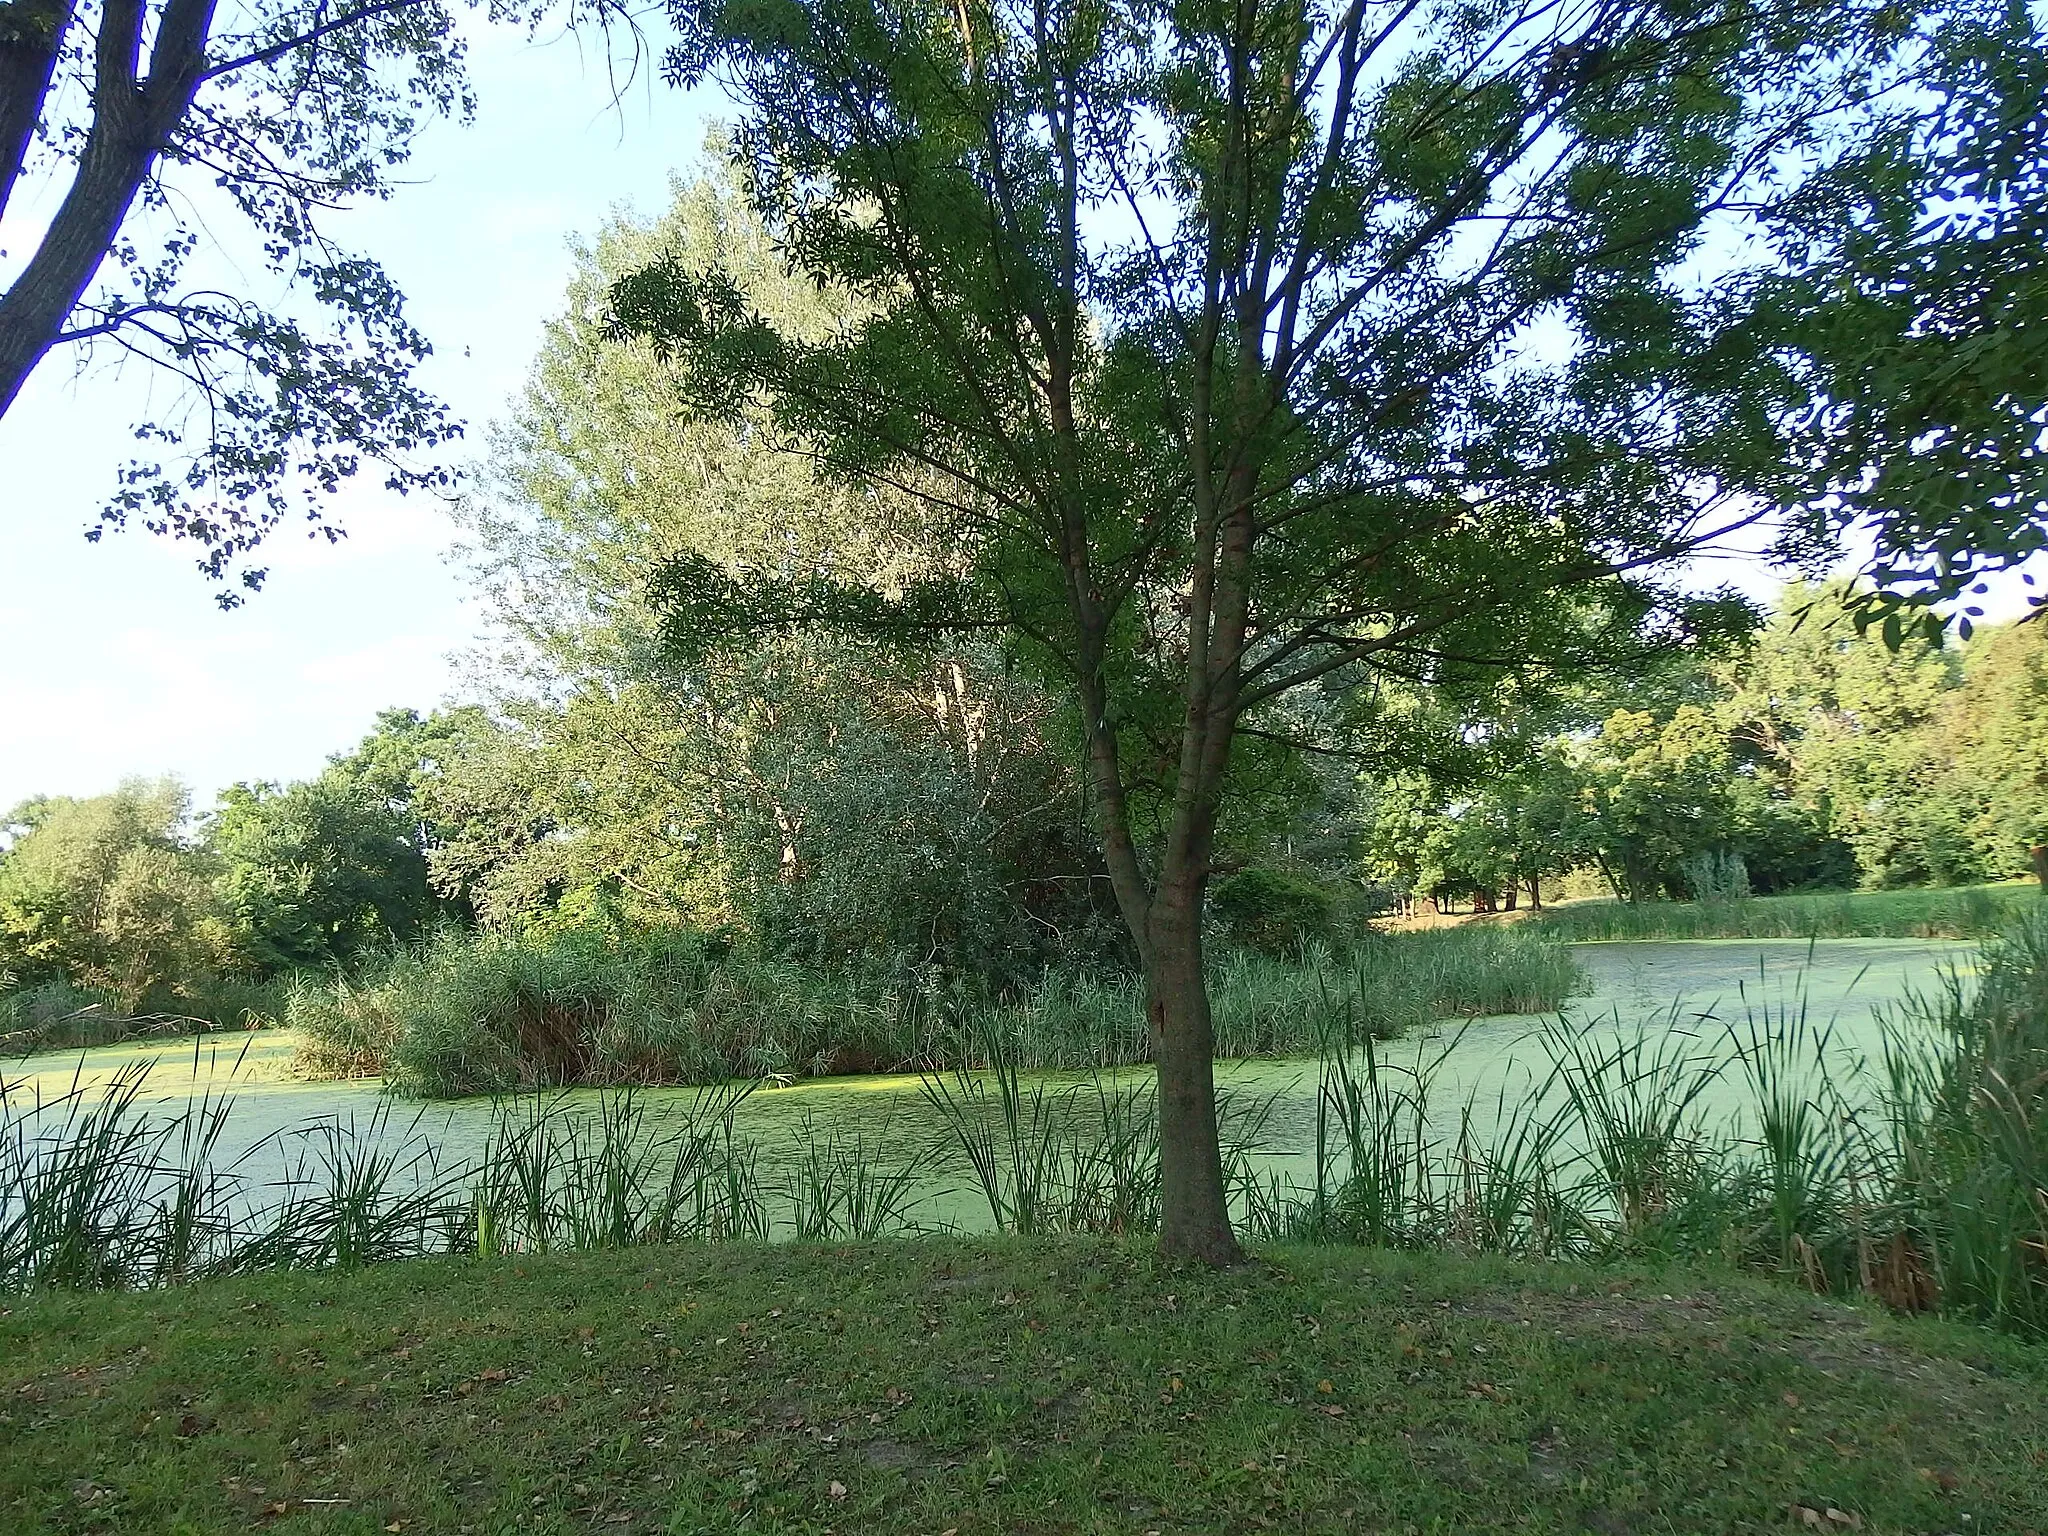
[[2040, 856], [1535, 893], [31, 39], [1194, 1205], [132, 120]]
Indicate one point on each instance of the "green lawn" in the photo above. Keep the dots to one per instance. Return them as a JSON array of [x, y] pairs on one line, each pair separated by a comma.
[[1016, 1387], [1953, 912]]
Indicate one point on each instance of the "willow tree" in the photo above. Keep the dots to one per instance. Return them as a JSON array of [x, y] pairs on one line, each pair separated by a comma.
[[1258, 349]]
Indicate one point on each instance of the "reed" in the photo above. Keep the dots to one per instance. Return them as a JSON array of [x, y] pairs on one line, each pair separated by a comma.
[[1968, 1122], [1960, 912], [469, 1013], [1924, 1183]]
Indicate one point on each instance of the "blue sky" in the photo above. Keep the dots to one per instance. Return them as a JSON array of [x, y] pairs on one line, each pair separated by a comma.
[[114, 660]]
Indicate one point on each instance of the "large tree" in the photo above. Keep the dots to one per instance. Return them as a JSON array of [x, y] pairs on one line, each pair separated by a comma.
[[1255, 349], [860, 805], [133, 131]]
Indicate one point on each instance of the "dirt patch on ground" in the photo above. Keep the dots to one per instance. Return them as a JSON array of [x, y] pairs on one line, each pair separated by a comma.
[[897, 1456]]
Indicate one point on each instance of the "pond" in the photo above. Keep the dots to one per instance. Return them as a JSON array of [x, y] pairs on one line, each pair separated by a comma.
[[1831, 998]]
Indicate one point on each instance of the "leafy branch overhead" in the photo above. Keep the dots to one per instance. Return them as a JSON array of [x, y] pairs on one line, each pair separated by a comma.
[[705, 604], [1916, 327], [148, 124]]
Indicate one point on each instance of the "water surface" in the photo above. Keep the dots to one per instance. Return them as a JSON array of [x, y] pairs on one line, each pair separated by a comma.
[[1699, 996]]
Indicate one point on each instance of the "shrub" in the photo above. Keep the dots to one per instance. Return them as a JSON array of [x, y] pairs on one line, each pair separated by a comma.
[[1276, 911]]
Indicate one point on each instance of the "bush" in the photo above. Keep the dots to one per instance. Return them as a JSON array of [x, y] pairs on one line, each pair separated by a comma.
[[1277, 911], [484, 1013], [471, 1013]]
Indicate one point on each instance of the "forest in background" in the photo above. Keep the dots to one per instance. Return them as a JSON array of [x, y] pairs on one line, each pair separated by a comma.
[[834, 817]]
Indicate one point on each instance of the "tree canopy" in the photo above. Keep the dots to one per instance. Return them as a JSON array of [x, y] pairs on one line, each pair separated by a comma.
[[315, 874], [1917, 340]]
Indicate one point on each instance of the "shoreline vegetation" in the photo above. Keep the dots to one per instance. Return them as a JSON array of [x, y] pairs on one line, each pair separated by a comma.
[[476, 1013], [466, 1012], [1928, 1200], [1922, 912]]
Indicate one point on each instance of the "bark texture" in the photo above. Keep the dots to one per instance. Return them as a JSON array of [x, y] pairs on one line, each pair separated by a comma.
[[31, 37], [1194, 1211]]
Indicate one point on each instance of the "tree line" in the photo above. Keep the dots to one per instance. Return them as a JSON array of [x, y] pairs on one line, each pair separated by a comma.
[[1812, 756]]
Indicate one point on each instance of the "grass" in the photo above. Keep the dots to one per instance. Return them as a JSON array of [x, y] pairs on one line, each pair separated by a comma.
[[481, 1013], [1006, 1385], [1962, 912]]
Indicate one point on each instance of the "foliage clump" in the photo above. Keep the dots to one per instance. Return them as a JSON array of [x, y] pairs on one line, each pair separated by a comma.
[[1814, 757]]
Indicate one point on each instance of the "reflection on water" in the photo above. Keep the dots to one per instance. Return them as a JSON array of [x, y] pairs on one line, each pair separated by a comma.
[[1696, 987]]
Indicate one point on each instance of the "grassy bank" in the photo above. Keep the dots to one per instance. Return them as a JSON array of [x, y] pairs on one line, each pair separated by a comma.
[[1961, 912], [1006, 1386], [481, 1013]]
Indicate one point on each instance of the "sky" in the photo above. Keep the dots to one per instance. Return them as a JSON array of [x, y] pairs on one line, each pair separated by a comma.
[[114, 659]]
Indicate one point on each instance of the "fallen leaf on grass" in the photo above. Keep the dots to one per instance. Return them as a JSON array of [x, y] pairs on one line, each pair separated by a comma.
[[1826, 1519], [837, 1491]]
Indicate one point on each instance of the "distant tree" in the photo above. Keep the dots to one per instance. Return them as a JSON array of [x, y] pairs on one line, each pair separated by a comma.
[[1658, 794], [1993, 731], [317, 872], [1536, 816], [108, 893], [1840, 718], [1257, 349], [137, 128]]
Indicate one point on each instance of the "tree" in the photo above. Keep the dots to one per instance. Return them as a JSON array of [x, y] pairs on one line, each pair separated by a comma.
[[1658, 794], [316, 873], [1840, 720], [855, 805], [1994, 732], [1921, 359], [1251, 349], [108, 893], [145, 123]]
